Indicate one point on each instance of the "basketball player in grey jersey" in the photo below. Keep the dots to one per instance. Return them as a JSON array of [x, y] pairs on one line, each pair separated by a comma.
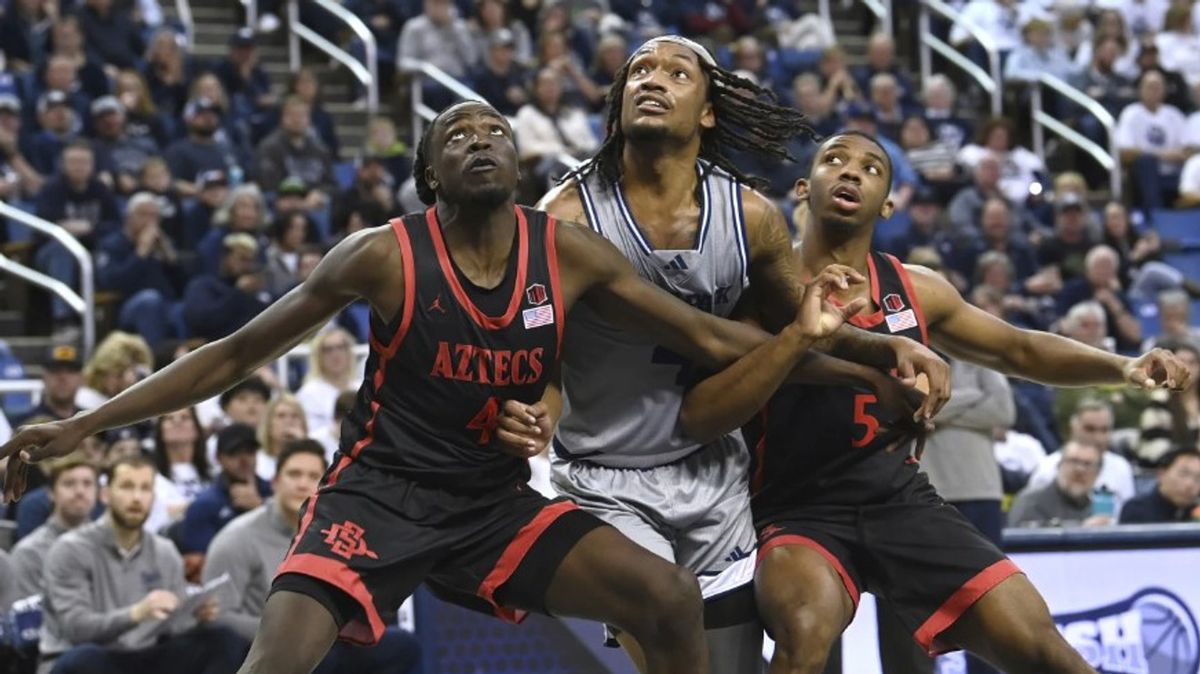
[[662, 190]]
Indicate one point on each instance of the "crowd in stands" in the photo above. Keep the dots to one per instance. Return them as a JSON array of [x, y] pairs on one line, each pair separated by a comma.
[[206, 190]]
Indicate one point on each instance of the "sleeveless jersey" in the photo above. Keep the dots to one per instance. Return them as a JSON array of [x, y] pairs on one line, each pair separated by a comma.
[[437, 375], [622, 391], [825, 445]]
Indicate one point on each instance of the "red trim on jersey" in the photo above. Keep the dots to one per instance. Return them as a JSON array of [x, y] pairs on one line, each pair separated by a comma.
[[912, 296], [347, 580], [555, 291], [958, 603], [483, 320], [760, 455], [870, 320], [515, 553], [400, 230], [805, 541]]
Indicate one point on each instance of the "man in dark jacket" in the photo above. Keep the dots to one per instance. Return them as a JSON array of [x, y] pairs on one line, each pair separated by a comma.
[[111, 35], [140, 262], [1176, 498], [202, 150], [293, 150], [216, 305]]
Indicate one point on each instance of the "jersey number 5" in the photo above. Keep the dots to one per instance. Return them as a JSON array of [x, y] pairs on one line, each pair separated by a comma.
[[485, 420], [862, 418]]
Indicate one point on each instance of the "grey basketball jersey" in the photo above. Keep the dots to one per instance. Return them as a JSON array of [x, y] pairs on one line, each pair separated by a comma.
[[623, 392]]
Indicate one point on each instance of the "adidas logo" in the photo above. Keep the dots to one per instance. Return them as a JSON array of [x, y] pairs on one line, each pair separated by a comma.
[[737, 554], [676, 264]]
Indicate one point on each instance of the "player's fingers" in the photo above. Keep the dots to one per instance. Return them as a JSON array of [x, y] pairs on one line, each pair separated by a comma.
[[854, 307], [516, 445], [906, 372], [847, 272], [518, 409], [1140, 379], [920, 445], [14, 482], [516, 426], [539, 409]]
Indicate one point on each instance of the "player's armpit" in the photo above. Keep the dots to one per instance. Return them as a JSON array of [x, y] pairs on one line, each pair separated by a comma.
[[595, 271], [563, 202]]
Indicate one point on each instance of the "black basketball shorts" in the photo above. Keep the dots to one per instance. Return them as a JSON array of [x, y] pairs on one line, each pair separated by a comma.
[[375, 536], [914, 550]]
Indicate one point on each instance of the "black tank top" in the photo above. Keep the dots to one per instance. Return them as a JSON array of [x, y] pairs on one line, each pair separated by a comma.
[[824, 445], [437, 376]]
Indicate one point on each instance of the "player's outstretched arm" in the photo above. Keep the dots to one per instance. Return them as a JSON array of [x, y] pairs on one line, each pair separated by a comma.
[[354, 268], [967, 332]]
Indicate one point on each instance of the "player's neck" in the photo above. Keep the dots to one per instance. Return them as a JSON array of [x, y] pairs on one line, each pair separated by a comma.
[[824, 246], [484, 234], [125, 537], [665, 176]]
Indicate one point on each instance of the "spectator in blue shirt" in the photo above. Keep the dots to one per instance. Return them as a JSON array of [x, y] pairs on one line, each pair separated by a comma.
[[945, 124], [1176, 496], [111, 35], [881, 58], [1100, 283], [118, 154], [500, 79], [244, 211], [201, 150], [926, 231], [236, 490], [141, 263], [215, 305], [246, 82], [213, 189]]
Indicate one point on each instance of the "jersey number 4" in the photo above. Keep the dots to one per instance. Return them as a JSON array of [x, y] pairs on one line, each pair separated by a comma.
[[862, 418], [485, 420]]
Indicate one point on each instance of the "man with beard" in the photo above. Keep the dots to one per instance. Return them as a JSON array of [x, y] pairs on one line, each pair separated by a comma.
[[421, 492], [662, 189], [106, 578], [201, 150], [73, 492]]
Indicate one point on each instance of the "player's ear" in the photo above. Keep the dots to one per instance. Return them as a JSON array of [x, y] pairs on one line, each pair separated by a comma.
[[888, 208], [708, 118], [800, 190], [431, 178]]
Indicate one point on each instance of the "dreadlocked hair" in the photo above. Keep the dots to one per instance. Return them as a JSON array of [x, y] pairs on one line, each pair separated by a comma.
[[748, 118], [420, 162]]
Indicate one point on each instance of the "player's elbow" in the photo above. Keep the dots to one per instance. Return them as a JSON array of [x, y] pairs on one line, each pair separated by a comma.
[[699, 424]]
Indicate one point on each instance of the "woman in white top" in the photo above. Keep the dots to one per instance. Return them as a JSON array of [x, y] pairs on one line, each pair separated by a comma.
[[331, 370], [182, 464], [1178, 46], [118, 363], [1111, 24], [547, 126], [1019, 167], [283, 421]]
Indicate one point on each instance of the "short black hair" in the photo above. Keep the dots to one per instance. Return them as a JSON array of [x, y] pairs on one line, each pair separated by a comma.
[[302, 446], [1176, 454], [421, 161], [887, 159]]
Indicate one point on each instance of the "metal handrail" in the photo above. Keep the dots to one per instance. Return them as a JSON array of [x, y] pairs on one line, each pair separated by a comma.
[[882, 9], [251, 7], [826, 15], [1108, 159], [183, 9], [367, 73], [33, 386], [990, 79], [84, 302]]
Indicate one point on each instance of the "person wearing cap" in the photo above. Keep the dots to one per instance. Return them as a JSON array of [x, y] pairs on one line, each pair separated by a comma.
[[245, 80], [202, 150], [254, 544], [500, 78], [1150, 137], [293, 150], [212, 190], [59, 126], [62, 377], [19, 180], [141, 263], [118, 154], [236, 489], [1061, 256], [214, 305], [1038, 54]]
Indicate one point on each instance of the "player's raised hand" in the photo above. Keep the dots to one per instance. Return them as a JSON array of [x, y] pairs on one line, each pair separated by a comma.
[[914, 359], [819, 314], [1158, 368], [524, 430], [31, 444]]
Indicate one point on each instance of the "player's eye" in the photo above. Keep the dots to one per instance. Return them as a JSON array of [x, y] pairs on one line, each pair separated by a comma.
[[873, 169], [640, 70], [833, 159], [680, 74], [497, 130], [457, 135]]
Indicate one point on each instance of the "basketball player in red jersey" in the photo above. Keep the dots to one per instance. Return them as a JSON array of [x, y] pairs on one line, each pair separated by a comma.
[[469, 300], [838, 510]]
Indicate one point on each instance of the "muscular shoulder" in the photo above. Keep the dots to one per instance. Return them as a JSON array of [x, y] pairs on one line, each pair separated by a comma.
[[937, 297], [766, 229], [564, 202]]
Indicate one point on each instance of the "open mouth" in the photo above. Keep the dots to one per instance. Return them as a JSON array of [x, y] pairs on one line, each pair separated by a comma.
[[847, 198], [651, 104], [482, 165]]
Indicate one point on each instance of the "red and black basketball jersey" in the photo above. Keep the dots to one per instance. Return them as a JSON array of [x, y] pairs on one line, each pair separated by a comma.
[[824, 444], [438, 374]]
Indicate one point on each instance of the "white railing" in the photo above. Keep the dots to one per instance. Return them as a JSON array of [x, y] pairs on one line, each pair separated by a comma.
[[82, 303], [367, 73], [1108, 158], [251, 7], [882, 9], [183, 9], [990, 79]]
